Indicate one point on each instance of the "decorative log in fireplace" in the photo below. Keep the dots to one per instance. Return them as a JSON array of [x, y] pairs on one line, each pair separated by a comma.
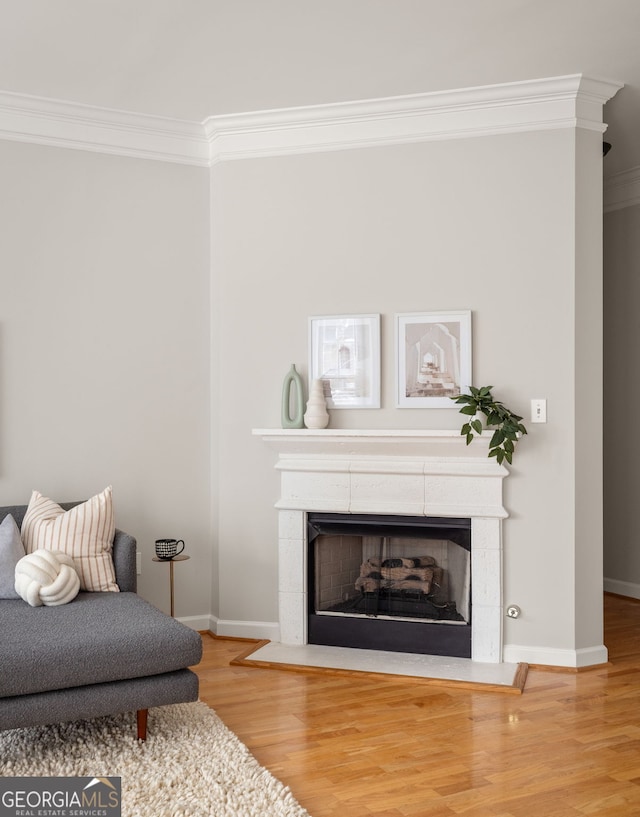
[[413, 587], [401, 575]]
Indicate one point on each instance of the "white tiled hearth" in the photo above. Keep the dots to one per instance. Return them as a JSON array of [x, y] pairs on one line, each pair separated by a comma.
[[403, 472]]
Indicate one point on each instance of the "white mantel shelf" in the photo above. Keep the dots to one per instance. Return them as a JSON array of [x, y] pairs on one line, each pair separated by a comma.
[[445, 445], [357, 434]]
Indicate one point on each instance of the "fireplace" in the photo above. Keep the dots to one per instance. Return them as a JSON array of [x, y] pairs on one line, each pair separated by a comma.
[[393, 473], [401, 584]]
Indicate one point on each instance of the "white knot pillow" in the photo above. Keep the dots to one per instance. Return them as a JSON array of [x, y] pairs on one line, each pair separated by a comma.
[[47, 577]]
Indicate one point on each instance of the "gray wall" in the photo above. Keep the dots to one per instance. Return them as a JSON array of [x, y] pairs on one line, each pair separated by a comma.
[[104, 346], [622, 393], [150, 312], [488, 224]]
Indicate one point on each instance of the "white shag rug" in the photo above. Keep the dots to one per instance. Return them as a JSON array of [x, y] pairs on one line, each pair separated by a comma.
[[191, 765]]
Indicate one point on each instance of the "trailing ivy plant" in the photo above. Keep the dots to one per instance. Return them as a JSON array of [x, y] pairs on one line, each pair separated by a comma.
[[507, 425]]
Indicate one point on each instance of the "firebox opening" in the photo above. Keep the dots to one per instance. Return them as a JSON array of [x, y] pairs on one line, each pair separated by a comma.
[[391, 583]]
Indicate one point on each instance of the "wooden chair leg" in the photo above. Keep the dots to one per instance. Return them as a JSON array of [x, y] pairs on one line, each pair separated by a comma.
[[142, 723]]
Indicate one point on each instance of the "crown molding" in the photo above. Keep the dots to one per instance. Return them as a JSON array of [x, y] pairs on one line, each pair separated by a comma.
[[56, 123], [572, 101], [622, 190]]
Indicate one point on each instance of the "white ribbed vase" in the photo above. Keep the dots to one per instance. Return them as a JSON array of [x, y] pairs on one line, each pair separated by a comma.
[[316, 415]]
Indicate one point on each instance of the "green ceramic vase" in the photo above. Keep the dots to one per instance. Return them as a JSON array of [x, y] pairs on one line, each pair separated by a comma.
[[292, 405]]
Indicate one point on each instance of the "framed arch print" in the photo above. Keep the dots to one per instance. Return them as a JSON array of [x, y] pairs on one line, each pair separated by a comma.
[[433, 353], [344, 352]]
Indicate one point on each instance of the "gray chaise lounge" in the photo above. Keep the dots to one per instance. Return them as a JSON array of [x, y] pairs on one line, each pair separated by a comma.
[[101, 654]]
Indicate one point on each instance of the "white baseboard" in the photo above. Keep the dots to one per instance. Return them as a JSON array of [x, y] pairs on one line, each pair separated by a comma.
[[232, 629], [512, 653], [630, 589], [552, 657], [198, 623], [244, 629]]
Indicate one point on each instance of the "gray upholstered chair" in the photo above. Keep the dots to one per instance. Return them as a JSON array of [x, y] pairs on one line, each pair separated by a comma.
[[101, 654]]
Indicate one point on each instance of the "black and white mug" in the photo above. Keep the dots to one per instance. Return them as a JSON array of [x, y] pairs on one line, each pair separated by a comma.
[[168, 548]]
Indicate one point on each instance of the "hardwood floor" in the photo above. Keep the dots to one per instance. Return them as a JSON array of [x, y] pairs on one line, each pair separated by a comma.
[[358, 746]]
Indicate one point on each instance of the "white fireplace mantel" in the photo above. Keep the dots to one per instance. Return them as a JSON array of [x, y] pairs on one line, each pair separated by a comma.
[[390, 471], [424, 472]]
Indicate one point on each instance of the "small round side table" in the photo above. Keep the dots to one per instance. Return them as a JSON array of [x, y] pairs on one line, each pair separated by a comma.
[[179, 558]]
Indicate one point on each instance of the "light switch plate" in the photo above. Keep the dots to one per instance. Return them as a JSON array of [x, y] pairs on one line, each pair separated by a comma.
[[538, 411]]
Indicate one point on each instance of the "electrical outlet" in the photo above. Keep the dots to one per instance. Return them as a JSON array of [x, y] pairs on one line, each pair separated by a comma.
[[138, 562], [538, 411]]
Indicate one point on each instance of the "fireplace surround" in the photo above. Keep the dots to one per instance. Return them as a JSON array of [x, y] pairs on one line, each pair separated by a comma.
[[421, 473]]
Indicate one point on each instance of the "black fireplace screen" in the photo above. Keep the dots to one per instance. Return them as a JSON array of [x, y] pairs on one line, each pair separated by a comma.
[[388, 568]]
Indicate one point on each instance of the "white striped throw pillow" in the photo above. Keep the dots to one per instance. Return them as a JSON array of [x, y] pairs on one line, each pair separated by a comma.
[[85, 533]]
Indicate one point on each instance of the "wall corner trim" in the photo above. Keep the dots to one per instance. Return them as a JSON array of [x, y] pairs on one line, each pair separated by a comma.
[[572, 101]]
